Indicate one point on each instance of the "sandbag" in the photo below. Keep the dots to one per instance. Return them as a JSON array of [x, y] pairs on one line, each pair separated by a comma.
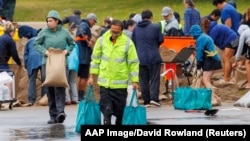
[[240, 77], [166, 54], [244, 101], [56, 69]]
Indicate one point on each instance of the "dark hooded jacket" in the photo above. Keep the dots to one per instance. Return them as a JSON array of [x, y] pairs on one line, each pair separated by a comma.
[[147, 38]]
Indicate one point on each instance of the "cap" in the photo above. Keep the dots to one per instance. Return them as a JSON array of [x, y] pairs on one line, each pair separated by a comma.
[[166, 11], [92, 16], [137, 18], [54, 14]]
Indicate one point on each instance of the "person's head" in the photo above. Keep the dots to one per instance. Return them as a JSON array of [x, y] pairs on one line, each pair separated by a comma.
[[53, 19], [147, 15], [247, 15], [196, 31], [242, 28], [107, 21], [77, 12], [27, 31], [129, 24], [116, 28], [215, 14], [92, 18], [131, 15], [9, 28], [205, 24], [219, 4], [167, 13], [189, 3]]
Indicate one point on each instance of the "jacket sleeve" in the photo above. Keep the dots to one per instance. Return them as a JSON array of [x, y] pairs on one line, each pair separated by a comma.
[[38, 43], [14, 52], [133, 63], [96, 57], [240, 46]]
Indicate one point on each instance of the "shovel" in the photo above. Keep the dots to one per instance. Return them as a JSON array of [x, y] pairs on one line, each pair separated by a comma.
[[210, 112]]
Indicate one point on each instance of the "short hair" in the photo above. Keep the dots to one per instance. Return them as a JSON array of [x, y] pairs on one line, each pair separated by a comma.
[[8, 27], [216, 12], [215, 2], [190, 3], [146, 14], [117, 23], [77, 12]]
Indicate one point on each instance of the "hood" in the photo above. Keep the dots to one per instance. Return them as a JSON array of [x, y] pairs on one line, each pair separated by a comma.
[[196, 31], [54, 14], [27, 31], [242, 28], [144, 23]]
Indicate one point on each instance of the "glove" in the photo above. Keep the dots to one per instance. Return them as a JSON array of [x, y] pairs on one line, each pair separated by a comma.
[[211, 53], [199, 73]]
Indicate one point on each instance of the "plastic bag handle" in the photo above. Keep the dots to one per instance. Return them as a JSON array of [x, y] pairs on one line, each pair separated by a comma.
[[134, 94]]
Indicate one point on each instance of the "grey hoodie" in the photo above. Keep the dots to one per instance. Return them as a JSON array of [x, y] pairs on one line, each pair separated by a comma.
[[244, 32]]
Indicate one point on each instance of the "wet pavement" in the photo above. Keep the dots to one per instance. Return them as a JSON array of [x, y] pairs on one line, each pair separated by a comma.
[[30, 123]]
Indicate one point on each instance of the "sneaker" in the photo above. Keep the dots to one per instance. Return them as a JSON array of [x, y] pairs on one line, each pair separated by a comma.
[[51, 121], [155, 103], [61, 117]]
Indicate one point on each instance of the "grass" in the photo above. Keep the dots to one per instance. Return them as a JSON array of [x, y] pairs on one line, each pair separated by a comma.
[[36, 10]]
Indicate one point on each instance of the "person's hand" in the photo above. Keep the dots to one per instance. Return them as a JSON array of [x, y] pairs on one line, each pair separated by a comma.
[[90, 80], [47, 53], [135, 85], [65, 52], [235, 64]]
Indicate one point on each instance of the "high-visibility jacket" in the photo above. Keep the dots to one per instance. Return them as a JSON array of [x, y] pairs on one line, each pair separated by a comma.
[[115, 64]]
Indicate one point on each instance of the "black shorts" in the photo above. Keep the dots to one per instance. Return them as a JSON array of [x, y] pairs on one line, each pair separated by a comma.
[[234, 44], [211, 64], [83, 71]]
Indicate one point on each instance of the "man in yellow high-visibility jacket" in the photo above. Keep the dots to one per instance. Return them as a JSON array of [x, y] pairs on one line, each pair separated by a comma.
[[115, 61]]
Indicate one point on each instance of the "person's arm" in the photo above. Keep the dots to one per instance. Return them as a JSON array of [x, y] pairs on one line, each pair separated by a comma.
[[38, 43], [14, 53]]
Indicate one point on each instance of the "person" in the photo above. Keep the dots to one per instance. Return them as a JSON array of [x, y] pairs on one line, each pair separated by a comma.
[[224, 38], [8, 46], [129, 26], [106, 25], [32, 62], [115, 61], [207, 59], [147, 46], [84, 42], [244, 42], [8, 49], [72, 21], [213, 16], [73, 65], [246, 17], [191, 16], [54, 36], [7, 9], [229, 15]]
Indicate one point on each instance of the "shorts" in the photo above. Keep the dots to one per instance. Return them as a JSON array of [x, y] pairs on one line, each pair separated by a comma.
[[83, 71], [233, 45], [210, 64], [247, 53]]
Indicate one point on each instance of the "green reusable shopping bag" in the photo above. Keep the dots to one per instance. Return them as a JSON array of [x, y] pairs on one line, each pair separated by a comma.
[[134, 115], [88, 112]]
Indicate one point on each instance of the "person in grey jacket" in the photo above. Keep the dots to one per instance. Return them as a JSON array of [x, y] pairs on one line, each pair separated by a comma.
[[244, 44], [57, 37]]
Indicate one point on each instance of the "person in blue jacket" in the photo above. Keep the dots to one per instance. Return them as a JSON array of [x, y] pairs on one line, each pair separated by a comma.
[[226, 40], [206, 56], [32, 61]]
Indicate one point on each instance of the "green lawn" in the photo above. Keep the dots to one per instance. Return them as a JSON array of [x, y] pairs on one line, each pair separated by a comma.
[[36, 10]]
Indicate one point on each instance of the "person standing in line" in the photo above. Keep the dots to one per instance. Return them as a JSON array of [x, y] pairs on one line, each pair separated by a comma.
[[116, 63], [73, 21], [84, 42], [54, 36], [244, 42], [191, 16], [73, 65], [229, 16], [129, 26], [147, 46], [32, 62], [106, 25]]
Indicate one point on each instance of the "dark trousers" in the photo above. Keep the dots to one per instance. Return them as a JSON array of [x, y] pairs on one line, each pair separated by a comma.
[[112, 102], [149, 77]]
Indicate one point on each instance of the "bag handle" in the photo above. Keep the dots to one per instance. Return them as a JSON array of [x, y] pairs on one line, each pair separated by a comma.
[[134, 95], [90, 93]]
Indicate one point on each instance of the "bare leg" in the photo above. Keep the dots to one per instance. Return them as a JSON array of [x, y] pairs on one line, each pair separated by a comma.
[[227, 55]]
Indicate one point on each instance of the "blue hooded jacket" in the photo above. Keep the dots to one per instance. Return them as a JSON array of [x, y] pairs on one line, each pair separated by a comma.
[[221, 34], [203, 42]]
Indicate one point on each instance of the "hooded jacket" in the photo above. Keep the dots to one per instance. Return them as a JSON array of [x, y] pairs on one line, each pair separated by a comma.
[[244, 32], [147, 38], [221, 34], [203, 42]]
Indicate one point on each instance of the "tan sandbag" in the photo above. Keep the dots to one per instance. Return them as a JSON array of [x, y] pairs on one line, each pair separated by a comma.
[[196, 83], [216, 100], [166, 54], [244, 101], [43, 101], [240, 77], [56, 69]]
